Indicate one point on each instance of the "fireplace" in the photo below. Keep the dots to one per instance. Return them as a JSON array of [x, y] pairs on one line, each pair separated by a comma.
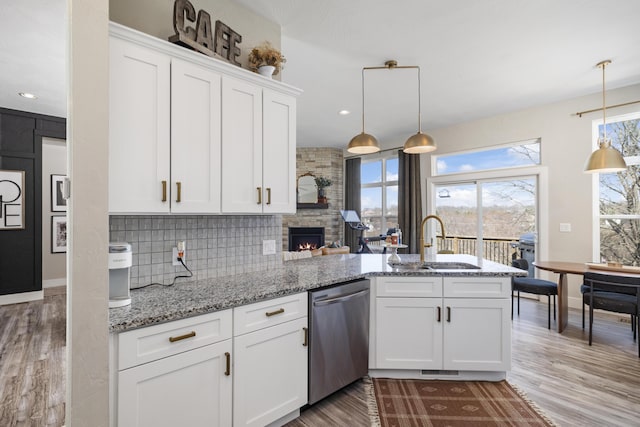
[[305, 238]]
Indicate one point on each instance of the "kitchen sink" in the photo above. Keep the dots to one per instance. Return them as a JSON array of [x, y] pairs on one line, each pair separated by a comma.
[[436, 265]]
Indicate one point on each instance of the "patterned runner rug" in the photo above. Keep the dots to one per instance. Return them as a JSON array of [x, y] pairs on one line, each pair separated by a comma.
[[408, 403]]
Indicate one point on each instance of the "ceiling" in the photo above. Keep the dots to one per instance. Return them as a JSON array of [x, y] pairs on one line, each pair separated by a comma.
[[477, 59]]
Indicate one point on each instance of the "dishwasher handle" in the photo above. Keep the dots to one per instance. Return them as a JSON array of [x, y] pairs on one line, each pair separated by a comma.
[[340, 298]]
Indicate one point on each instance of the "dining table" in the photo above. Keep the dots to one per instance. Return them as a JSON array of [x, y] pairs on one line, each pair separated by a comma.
[[563, 268]]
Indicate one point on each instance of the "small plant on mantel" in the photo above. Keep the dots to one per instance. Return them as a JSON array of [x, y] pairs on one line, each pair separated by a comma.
[[322, 183], [265, 54]]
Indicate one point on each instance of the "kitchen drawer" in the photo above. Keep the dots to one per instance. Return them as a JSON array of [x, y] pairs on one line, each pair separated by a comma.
[[253, 317], [155, 342], [477, 287], [405, 287]]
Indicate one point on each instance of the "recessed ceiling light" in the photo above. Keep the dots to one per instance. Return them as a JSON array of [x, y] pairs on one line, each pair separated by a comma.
[[344, 112], [27, 95]]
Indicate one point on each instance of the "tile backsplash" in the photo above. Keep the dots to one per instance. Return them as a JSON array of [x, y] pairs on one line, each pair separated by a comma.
[[215, 245]]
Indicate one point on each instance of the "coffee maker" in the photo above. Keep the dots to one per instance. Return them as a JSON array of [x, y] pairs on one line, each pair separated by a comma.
[[120, 261]]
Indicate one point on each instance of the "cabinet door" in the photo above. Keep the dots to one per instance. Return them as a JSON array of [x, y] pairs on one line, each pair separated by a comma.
[[241, 147], [188, 389], [279, 152], [270, 379], [477, 334], [408, 333], [139, 114], [195, 139]]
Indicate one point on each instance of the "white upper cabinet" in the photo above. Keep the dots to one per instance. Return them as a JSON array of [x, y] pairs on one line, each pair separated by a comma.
[[139, 128], [195, 139], [192, 134], [242, 147], [279, 152]]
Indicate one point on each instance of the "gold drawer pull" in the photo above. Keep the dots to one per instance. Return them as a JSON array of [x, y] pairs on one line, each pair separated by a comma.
[[164, 191], [183, 337], [259, 195], [227, 371], [268, 195], [273, 313], [179, 186], [306, 337]]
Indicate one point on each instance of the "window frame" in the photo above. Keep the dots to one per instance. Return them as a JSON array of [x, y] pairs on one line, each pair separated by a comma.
[[383, 183]]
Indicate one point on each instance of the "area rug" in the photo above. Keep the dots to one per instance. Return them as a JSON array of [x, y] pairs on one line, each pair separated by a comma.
[[409, 403]]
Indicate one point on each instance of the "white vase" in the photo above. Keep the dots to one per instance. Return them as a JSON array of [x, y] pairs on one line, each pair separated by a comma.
[[266, 70]]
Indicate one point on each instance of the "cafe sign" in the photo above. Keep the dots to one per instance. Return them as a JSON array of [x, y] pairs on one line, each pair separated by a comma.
[[221, 44]]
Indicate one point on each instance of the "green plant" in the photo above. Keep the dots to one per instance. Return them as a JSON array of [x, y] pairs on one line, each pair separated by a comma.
[[322, 182], [265, 54]]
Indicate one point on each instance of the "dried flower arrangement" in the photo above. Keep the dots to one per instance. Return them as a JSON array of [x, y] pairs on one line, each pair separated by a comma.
[[322, 182], [265, 54]]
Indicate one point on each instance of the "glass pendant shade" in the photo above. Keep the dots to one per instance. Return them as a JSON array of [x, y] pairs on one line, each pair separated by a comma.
[[605, 159], [363, 144], [419, 143]]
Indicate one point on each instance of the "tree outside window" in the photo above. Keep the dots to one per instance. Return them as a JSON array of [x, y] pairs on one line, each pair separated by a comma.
[[379, 194], [619, 194]]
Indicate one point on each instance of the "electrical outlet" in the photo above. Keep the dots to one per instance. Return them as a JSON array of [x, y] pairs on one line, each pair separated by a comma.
[[565, 227], [268, 247], [178, 251]]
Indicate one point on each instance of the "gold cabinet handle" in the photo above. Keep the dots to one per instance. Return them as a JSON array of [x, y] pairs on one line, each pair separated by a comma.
[[183, 337], [179, 187], [164, 191], [439, 313], [268, 195], [259, 195], [306, 337], [227, 356], [448, 314], [273, 313]]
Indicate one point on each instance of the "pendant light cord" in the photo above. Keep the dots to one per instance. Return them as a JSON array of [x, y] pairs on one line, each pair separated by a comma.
[[419, 103], [604, 106], [363, 100]]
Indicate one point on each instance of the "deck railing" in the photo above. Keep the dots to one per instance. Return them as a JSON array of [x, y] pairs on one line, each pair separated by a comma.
[[497, 249]]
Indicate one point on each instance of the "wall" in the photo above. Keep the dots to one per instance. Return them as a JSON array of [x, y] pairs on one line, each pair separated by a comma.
[[566, 144], [216, 246], [328, 163], [54, 161], [155, 17]]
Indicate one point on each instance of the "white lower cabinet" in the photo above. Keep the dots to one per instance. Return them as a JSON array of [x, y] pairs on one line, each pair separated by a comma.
[[189, 389], [270, 364], [463, 325]]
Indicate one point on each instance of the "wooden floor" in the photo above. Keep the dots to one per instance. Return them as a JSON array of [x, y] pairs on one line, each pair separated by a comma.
[[576, 385], [32, 362]]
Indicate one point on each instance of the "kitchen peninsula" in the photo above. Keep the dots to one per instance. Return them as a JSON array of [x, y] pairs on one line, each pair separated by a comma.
[[219, 345]]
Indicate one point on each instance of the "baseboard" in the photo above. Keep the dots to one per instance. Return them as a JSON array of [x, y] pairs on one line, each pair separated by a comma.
[[21, 297], [52, 283]]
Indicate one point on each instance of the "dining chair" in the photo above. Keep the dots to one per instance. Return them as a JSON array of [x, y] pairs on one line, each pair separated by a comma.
[[620, 294], [535, 286]]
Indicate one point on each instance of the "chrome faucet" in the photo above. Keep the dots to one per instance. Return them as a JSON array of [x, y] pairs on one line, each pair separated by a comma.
[[428, 245]]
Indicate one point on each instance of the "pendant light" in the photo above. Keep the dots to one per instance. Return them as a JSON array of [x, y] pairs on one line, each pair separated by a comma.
[[606, 158], [363, 143], [420, 142]]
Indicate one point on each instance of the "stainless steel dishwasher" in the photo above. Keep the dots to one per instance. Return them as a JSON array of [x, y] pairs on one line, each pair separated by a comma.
[[338, 337]]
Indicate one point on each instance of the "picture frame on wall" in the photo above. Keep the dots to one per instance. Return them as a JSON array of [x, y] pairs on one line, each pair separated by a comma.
[[12, 200], [58, 234], [58, 202]]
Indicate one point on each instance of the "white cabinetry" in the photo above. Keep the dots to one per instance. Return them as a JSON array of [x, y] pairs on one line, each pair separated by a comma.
[[177, 373], [139, 128], [270, 362], [441, 324], [258, 149], [172, 110]]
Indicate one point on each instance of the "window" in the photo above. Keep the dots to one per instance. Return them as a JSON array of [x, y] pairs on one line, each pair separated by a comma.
[[524, 153], [379, 193], [618, 195]]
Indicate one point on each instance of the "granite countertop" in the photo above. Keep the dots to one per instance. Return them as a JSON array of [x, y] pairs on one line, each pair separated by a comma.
[[157, 304]]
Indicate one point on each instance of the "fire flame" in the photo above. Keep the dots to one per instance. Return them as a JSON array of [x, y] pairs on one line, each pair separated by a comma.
[[307, 247]]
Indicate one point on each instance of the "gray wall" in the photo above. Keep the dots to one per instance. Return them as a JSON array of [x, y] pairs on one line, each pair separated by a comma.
[[54, 161]]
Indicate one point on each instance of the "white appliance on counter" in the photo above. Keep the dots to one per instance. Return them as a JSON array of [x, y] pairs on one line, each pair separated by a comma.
[[120, 261]]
